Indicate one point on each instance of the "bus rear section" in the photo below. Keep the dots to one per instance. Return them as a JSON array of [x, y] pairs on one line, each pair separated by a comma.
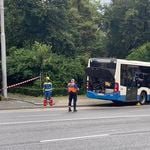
[[100, 79]]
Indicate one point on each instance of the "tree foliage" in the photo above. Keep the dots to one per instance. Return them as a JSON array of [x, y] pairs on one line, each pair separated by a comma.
[[68, 25], [127, 24], [25, 63], [66, 32], [141, 53], [56, 37]]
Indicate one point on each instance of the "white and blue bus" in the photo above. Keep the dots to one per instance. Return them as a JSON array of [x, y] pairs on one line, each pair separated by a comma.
[[118, 80]]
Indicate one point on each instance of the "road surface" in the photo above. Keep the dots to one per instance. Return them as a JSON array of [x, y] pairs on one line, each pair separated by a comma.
[[91, 128]]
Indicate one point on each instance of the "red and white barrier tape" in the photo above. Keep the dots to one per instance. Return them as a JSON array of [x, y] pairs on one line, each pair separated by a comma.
[[21, 83]]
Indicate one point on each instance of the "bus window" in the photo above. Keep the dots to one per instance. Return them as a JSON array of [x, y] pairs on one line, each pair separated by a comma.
[[124, 78], [129, 75]]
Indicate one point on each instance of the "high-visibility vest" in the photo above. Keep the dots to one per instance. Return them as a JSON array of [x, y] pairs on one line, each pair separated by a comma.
[[47, 86], [72, 87]]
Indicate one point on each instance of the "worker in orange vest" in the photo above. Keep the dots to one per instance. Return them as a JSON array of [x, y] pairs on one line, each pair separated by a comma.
[[72, 90]]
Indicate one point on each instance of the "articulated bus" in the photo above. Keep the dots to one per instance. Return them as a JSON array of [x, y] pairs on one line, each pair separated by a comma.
[[118, 80]]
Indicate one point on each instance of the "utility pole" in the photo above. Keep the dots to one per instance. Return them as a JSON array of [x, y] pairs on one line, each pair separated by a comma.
[[3, 50]]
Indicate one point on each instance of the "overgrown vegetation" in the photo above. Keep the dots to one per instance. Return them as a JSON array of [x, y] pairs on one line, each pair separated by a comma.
[[141, 53], [56, 38]]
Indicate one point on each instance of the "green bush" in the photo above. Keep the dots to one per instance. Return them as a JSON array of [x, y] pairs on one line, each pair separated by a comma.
[[59, 91], [26, 91], [39, 92]]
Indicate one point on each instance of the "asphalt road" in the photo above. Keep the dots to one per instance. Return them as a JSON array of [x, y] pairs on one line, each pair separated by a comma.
[[91, 128]]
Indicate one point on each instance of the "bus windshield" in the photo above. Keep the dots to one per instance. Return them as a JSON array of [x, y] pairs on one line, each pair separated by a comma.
[[100, 74]]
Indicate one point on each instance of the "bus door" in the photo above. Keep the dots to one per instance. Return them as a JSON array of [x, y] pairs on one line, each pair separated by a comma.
[[131, 93], [128, 79]]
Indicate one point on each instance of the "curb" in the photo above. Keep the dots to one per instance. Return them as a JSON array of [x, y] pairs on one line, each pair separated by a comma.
[[41, 104], [38, 105]]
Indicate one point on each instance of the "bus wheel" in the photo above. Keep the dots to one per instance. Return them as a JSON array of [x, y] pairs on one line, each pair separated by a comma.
[[143, 98]]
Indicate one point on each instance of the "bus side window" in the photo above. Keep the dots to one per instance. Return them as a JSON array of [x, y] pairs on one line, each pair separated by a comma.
[[140, 80], [124, 78], [132, 73], [148, 81], [129, 80], [134, 80]]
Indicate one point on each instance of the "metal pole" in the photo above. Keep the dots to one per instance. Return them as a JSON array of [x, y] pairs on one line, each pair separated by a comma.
[[3, 50], [40, 79]]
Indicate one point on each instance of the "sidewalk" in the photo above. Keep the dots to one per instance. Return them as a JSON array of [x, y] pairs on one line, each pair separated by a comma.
[[17, 101]]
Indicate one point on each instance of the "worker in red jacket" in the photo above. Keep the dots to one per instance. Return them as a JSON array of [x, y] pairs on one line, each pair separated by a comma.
[[72, 90]]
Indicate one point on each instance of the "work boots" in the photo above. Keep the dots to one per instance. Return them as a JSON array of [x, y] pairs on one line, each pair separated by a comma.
[[74, 110], [69, 110]]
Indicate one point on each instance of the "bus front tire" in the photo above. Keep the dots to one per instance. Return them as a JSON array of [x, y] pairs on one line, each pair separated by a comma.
[[143, 98]]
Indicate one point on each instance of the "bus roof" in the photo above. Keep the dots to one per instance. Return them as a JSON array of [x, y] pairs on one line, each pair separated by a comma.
[[122, 61], [133, 62], [104, 60]]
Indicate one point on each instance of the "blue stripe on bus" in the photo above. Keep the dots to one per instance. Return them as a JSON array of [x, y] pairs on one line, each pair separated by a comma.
[[109, 96]]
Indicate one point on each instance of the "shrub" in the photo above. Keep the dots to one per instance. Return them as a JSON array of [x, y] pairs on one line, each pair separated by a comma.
[[26, 91], [39, 92]]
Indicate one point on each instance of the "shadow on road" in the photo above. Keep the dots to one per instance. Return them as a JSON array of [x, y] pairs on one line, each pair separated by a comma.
[[111, 104]]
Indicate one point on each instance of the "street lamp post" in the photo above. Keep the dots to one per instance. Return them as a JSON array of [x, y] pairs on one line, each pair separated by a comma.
[[3, 50]]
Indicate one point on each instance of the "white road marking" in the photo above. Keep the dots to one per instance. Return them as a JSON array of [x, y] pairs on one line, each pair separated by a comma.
[[74, 119], [91, 136], [74, 138]]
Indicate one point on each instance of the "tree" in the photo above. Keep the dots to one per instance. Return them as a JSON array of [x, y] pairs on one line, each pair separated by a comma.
[[25, 63], [42, 21], [67, 34], [140, 53], [29, 62], [88, 37], [127, 25]]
